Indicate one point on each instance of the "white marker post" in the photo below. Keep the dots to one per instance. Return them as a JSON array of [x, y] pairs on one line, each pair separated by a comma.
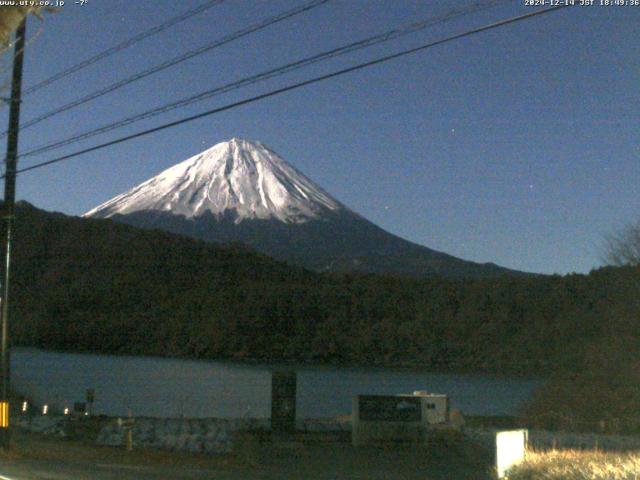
[[511, 448]]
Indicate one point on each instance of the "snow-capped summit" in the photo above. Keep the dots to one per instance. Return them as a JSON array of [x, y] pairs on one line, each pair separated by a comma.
[[240, 177]]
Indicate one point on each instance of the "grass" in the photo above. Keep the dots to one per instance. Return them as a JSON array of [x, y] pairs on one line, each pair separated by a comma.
[[503, 422], [577, 465]]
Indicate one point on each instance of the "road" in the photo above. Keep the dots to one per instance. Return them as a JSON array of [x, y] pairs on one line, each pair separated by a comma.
[[52, 459], [49, 470]]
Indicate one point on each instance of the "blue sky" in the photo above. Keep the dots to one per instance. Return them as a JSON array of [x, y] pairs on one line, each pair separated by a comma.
[[518, 146]]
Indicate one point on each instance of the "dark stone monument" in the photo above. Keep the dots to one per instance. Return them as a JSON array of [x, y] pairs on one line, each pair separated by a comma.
[[283, 402]]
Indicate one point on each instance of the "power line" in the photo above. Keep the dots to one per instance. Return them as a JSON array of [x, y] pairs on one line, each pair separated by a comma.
[[281, 70], [123, 45], [293, 87], [176, 60]]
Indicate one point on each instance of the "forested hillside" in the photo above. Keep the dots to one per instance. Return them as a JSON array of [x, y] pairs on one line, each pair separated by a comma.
[[99, 286]]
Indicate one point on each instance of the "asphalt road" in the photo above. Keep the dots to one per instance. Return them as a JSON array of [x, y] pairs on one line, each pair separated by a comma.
[[37, 458], [48, 470]]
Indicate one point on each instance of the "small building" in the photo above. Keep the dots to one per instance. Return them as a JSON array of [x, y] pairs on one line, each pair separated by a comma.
[[435, 407], [397, 418]]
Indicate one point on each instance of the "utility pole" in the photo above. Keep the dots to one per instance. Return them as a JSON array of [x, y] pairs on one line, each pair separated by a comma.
[[9, 203]]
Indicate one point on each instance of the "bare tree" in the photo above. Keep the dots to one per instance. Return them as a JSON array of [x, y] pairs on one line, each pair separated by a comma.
[[10, 19], [623, 247]]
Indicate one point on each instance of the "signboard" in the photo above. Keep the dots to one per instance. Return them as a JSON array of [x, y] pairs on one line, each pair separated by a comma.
[[511, 447], [389, 408]]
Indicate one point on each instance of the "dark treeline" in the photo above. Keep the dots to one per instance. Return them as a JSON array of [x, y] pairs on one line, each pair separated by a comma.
[[98, 286]]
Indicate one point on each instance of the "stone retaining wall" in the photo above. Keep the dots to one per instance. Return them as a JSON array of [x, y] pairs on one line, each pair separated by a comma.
[[209, 435], [45, 424], [204, 435], [215, 435]]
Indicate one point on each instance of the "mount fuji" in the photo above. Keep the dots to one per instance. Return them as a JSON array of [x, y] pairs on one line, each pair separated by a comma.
[[242, 191]]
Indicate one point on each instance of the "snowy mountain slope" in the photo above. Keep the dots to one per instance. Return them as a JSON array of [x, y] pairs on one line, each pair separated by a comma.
[[239, 176]]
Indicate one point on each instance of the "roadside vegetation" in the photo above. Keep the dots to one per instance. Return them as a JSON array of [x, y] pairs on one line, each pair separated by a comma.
[[577, 465], [600, 393]]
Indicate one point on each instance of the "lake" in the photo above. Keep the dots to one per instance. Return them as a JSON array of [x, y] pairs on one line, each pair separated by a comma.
[[167, 387]]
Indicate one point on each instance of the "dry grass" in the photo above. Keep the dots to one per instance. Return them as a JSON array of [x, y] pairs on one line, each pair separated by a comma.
[[577, 465]]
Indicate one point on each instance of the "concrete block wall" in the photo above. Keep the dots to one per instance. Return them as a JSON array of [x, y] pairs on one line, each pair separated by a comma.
[[210, 435], [202, 435]]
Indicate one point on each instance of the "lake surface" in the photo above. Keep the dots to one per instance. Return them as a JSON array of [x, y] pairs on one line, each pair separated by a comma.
[[164, 387]]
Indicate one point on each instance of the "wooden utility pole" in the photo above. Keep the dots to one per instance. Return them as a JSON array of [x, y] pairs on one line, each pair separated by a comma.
[[9, 207]]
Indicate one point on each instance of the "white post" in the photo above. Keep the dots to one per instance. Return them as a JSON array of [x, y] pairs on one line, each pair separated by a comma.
[[511, 447]]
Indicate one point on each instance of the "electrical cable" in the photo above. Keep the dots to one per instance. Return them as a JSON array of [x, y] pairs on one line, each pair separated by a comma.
[[176, 60], [123, 45], [293, 87], [281, 70]]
